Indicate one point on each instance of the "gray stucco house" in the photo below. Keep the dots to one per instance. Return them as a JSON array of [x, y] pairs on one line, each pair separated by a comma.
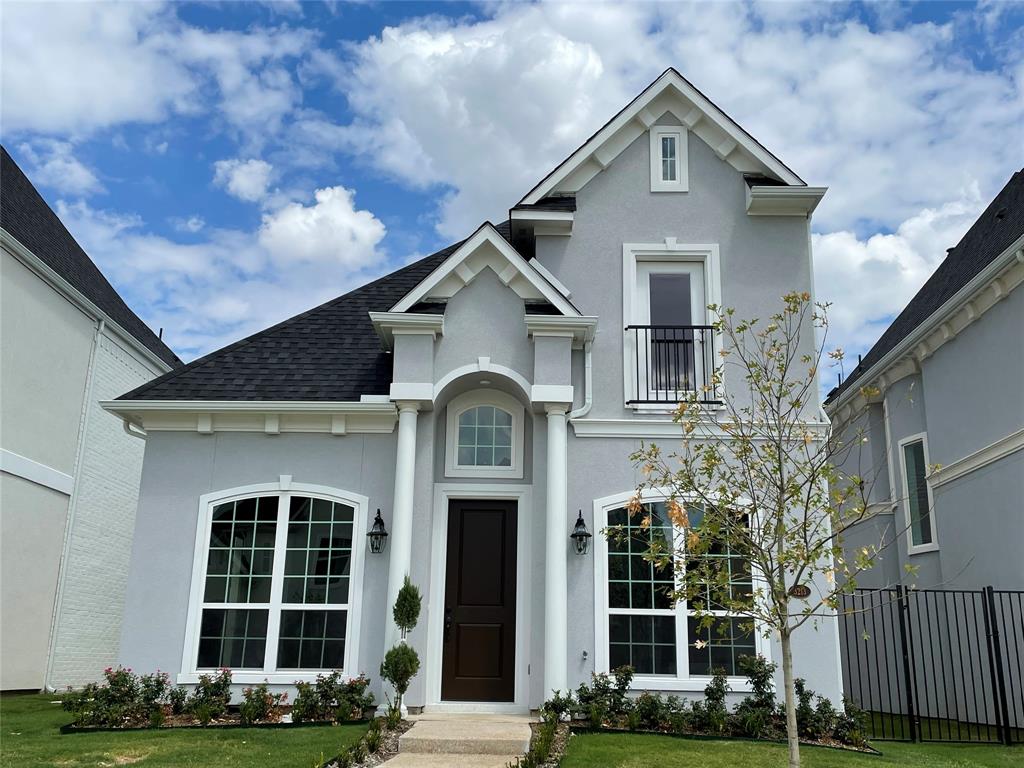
[[482, 399], [938, 403]]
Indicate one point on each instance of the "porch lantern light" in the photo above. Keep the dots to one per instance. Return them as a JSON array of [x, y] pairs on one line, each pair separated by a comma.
[[581, 536], [378, 536]]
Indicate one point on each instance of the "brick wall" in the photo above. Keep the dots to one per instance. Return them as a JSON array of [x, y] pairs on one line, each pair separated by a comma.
[[99, 541]]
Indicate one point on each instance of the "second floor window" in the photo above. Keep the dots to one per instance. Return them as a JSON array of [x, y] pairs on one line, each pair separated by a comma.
[[484, 436], [668, 159], [915, 473]]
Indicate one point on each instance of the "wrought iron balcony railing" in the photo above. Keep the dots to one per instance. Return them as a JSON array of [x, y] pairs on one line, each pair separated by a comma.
[[671, 362]]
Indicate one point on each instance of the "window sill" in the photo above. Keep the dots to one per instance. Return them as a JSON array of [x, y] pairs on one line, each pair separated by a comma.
[[252, 677], [922, 549], [685, 684]]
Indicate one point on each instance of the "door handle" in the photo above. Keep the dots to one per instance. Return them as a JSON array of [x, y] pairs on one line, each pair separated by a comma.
[[447, 622]]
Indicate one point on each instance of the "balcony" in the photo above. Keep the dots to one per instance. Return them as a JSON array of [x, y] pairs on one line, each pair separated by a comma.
[[670, 363]]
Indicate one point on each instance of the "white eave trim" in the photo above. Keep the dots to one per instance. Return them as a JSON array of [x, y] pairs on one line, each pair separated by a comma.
[[76, 297], [766, 200], [542, 222], [391, 324], [1005, 272], [517, 266], [640, 114], [580, 329], [271, 417]]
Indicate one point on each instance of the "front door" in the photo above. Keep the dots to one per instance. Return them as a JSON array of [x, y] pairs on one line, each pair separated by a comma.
[[480, 602]]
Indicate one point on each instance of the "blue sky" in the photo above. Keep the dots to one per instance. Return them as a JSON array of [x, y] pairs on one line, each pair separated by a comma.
[[230, 164]]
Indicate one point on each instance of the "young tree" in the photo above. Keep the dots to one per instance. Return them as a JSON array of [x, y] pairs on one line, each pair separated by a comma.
[[759, 480], [401, 663]]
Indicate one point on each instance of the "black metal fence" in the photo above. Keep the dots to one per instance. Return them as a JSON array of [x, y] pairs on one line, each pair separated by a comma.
[[670, 361], [936, 665]]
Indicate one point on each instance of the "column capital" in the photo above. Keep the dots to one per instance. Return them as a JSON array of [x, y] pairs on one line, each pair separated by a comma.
[[556, 409], [405, 406]]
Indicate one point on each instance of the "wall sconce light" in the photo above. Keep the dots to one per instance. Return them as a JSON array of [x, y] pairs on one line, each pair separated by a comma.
[[378, 535], [581, 536]]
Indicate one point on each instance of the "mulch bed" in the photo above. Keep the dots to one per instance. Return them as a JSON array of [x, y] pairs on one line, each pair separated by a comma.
[[229, 721], [558, 744], [388, 746]]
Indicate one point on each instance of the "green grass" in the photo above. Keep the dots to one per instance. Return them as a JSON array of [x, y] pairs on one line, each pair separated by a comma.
[[29, 737], [617, 750]]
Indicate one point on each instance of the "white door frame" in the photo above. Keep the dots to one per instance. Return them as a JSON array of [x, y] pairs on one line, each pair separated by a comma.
[[443, 494]]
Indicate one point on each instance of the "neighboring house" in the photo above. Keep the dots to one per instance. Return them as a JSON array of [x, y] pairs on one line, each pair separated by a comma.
[[480, 399], [938, 402], [70, 473]]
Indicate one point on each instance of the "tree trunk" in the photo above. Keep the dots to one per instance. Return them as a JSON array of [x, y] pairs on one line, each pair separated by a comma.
[[792, 735]]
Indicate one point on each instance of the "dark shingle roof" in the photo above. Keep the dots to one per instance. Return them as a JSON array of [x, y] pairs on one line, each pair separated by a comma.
[[330, 352], [26, 217], [995, 230]]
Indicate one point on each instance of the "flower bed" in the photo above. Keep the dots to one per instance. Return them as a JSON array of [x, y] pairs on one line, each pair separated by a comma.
[[380, 743], [129, 701], [605, 705]]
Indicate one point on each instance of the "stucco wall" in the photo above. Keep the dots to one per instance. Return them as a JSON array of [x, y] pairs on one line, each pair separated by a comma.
[[762, 257], [180, 467]]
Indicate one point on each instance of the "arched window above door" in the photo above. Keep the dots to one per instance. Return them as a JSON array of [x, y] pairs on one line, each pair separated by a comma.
[[484, 436]]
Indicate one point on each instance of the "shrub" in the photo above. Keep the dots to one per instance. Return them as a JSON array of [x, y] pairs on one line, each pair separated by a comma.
[[374, 737], [711, 715], [259, 704], [177, 697], [407, 607], [211, 696], [850, 725], [123, 699], [649, 712], [756, 714], [331, 698], [805, 717], [605, 697], [556, 708], [400, 665]]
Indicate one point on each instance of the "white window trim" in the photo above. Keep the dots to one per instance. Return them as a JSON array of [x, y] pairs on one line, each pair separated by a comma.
[[463, 403], [933, 545], [284, 489], [669, 252], [681, 184], [683, 681]]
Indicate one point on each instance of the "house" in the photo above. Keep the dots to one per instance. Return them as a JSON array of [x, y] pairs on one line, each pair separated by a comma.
[[69, 475], [477, 405], [939, 405]]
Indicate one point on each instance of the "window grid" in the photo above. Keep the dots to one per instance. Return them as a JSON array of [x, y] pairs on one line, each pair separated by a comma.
[[245, 621], [668, 158], [485, 437], [643, 626]]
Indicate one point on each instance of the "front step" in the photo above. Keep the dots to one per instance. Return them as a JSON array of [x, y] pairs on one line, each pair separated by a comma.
[[422, 760], [462, 735]]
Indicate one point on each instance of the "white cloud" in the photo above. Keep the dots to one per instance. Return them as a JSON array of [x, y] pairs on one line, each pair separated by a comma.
[[76, 68], [53, 164], [245, 179], [331, 231], [870, 280], [485, 108], [192, 224], [232, 283]]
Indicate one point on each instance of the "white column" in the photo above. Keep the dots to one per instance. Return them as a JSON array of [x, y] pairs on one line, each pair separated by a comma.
[[556, 623], [400, 558]]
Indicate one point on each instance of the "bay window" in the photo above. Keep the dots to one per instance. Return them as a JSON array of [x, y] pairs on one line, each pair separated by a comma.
[[276, 573]]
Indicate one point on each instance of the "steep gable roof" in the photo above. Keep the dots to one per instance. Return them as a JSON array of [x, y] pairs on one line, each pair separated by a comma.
[[331, 352], [998, 228], [26, 217], [670, 92]]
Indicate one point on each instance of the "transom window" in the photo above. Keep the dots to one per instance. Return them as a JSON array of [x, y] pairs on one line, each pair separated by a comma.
[[665, 643], [484, 435], [276, 573]]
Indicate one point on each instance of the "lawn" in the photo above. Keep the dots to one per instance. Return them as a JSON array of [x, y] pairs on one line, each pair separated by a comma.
[[29, 737], [640, 751]]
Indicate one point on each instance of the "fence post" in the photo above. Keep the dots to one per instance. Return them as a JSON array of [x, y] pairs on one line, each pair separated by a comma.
[[995, 663], [908, 680]]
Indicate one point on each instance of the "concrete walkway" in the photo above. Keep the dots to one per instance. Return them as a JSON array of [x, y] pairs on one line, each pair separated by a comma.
[[462, 741]]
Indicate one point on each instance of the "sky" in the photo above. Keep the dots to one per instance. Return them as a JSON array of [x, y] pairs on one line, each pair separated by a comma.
[[228, 165]]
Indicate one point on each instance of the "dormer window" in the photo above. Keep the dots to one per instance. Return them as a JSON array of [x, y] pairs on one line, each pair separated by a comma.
[[484, 436], [668, 159]]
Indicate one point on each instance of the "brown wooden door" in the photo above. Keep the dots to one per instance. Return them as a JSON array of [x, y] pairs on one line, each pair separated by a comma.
[[480, 602]]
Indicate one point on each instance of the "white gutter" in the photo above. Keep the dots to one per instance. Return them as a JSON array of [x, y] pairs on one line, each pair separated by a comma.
[[588, 383]]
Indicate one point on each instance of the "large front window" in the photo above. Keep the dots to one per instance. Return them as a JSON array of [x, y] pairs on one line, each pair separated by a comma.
[[276, 580], [664, 640]]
